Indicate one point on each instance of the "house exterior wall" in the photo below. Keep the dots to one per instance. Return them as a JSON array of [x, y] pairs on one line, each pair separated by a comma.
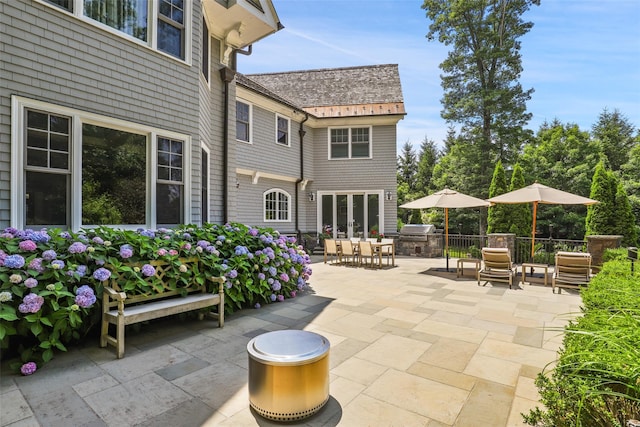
[[53, 57]]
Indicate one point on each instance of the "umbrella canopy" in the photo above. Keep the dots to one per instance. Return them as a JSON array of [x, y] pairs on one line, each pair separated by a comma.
[[446, 199], [538, 193]]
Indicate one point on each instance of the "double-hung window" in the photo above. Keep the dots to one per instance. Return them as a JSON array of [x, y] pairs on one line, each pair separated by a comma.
[[160, 24], [277, 205], [350, 143], [283, 130], [75, 169], [243, 121]]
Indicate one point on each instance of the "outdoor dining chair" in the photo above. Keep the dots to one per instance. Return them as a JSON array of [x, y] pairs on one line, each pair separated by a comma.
[[366, 251], [331, 251], [348, 252]]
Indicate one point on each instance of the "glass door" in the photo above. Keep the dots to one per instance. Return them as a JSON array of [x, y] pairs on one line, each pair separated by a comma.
[[347, 215]]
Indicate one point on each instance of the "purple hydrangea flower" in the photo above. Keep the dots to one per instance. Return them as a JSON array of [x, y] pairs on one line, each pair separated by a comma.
[[284, 277], [77, 248], [221, 239], [98, 240], [36, 264], [253, 231], [14, 261], [101, 274], [65, 235], [31, 282], [280, 298], [148, 233], [276, 286], [49, 255], [273, 271], [261, 276], [273, 297], [148, 270], [31, 303], [257, 305], [85, 297], [186, 246], [126, 251], [232, 274], [57, 264], [28, 368], [81, 270], [27, 245], [162, 252], [203, 244], [293, 294]]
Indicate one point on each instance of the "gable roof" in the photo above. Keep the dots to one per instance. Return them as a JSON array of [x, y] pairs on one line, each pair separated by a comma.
[[339, 92]]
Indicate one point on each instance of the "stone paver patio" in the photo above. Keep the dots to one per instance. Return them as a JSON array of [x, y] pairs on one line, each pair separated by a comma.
[[409, 347]]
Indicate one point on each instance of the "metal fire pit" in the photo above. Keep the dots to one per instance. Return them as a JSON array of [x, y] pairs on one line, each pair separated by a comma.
[[288, 374]]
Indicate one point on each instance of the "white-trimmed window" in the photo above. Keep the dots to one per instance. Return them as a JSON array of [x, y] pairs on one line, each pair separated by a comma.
[[350, 143], [159, 24], [75, 169], [277, 206], [243, 121], [205, 49], [283, 130]]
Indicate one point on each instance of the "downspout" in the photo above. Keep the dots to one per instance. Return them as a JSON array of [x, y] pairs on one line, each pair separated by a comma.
[[227, 75], [302, 133]]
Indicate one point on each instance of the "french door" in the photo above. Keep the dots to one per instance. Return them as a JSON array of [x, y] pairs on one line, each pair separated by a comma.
[[347, 215]]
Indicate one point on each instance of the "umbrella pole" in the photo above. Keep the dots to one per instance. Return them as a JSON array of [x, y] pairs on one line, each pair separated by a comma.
[[446, 235], [533, 231]]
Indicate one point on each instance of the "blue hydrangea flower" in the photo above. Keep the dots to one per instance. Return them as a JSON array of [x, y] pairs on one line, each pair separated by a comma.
[[148, 270], [77, 248], [101, 274], [14, 261], [49, 255]]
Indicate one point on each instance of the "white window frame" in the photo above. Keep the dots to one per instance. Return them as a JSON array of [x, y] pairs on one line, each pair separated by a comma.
[[349, 152], [250, 124], [207, 36], [152, 25], [78, 117], [280, 116], [278, 192]]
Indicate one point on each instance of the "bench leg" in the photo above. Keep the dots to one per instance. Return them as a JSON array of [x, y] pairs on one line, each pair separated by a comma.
[[104, 332], [120, 337]]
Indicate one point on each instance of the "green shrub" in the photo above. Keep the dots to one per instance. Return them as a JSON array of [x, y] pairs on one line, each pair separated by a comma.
[[51, 281], [596, 381]]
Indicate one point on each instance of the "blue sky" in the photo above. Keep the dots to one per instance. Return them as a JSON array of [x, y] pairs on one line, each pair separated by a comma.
[[581, 56]]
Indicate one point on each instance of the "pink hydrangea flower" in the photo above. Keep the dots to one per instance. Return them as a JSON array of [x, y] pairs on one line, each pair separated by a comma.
[[28, 245]]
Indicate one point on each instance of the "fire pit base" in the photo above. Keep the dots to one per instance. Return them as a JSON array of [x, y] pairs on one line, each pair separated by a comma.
[[288, 374]]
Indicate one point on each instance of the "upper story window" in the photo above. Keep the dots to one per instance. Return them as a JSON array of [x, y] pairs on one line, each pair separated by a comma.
[[283, 130], [109, 183], [205, 49], [243, 121], [350, 143], [163, 27], [277, 205]]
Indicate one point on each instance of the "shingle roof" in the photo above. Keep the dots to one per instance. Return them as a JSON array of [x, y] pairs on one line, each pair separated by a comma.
[[330, 92]]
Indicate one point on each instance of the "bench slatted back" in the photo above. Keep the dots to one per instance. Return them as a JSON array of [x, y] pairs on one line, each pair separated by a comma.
[[496, 258], [162, 289], [573, 264]]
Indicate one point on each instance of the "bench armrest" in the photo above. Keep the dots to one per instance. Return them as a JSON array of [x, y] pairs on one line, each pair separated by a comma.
[[220, 281], [118, 296]]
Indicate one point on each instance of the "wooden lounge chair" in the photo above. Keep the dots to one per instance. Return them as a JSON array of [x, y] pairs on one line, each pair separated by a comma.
[[573, 270], [331, 251], [496, 266], [388, 251]]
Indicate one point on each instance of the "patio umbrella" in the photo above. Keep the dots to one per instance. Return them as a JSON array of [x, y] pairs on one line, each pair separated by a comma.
[[538, 193], [446, 199]]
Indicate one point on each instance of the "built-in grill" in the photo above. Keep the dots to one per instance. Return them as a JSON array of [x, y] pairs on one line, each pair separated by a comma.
[[422, 240], [417, 229]]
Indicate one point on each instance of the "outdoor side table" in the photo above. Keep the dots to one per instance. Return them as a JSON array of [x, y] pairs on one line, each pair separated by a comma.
[[532, 265], [288, 374], [462, 261]]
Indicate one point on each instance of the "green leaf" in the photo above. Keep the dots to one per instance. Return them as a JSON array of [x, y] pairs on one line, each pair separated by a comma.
[[60, 346], [45, 344], [3, 331], [47, 355], [46, 321], [8, 313], [36, 329]]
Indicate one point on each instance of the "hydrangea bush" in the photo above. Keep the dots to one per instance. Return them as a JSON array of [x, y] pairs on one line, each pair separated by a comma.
[[51, 281]]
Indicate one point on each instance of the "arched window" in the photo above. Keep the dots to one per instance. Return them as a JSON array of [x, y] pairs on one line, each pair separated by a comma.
[[277, 205]]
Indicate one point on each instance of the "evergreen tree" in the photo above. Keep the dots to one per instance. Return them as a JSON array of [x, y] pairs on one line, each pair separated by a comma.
[[615, 134], [625, 220], [480, 77], [427, 159], [407, 166], [498, 218], [519, 214], [600, 217]]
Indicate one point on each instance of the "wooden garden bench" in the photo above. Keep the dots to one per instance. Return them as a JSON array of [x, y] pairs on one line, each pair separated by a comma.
[[122, 309]]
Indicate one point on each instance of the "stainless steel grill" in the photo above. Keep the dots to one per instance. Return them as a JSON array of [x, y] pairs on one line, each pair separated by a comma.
[[417, 229]]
